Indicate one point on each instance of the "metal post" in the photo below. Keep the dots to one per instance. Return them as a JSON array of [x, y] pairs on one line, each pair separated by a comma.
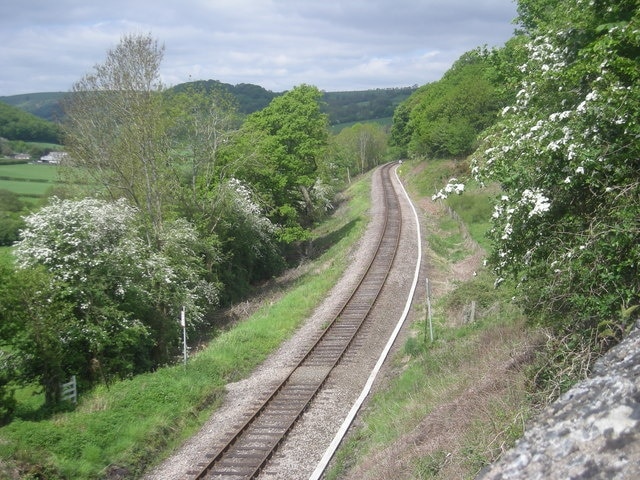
[[429, 310], [183, 323]]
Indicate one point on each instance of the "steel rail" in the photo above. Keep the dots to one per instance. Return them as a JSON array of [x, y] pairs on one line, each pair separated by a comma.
[[249, 449]]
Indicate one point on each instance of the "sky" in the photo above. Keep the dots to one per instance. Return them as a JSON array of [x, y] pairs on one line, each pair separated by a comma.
[[344, 45]]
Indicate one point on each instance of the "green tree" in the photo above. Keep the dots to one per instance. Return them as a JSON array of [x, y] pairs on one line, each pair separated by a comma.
[[16, 124], [567, 223], [36, 324], [364, 145], [444, 118], [125, 295], [203, 123], [115, 129], [11, 208], [285, 142]]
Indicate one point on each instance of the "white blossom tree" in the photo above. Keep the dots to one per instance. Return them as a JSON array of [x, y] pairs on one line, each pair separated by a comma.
[[126, 296], [567, 223]]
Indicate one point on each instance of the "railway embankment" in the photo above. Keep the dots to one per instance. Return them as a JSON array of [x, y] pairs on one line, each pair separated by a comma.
[[592, 431]]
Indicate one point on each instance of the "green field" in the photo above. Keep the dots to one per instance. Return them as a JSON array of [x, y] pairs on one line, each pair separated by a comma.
[[28, 179]]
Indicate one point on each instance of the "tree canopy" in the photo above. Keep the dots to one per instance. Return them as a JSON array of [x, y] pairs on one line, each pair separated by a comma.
[[119, 296], [565, 152], [288, 139], [444, 118], [16, 124]]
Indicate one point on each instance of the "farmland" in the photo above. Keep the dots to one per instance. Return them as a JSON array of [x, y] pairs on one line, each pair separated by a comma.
[[28, 180]]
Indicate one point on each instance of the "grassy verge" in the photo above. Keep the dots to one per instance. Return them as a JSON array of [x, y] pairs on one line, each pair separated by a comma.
[[461, 400], [131, 422]]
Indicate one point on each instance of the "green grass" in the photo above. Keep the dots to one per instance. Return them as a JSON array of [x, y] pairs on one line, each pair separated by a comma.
[[436, 375], [28, 180], [132, 422], [474, 206], [30, 172], [448, 242], [5, 255]]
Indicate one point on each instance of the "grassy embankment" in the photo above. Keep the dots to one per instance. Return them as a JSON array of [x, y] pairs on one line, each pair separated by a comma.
[[461, 400], [131, 423]]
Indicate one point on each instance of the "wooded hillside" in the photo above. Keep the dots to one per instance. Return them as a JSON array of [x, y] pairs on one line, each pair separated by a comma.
[[342, 107], [16, 124]]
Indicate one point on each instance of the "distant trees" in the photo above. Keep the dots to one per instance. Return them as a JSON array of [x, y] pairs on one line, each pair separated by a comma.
[[444, 118], [363, 145], [16, 124], [361, 106]]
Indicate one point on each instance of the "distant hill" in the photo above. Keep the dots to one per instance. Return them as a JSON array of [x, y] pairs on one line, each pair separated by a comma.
[[342, 107], [44, 105], [364, 105], [16, 124], [251, 98]]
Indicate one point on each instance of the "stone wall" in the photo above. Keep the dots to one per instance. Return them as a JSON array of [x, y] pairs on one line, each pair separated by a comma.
[[591, 432]]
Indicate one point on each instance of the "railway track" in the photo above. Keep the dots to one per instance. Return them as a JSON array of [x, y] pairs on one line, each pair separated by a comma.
[[249, 449]]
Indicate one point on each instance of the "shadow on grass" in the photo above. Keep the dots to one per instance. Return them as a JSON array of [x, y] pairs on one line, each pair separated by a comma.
[[321, 244], [223, 319]]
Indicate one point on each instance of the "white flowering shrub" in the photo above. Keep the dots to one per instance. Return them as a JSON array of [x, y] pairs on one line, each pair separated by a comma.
[[248, 238], [567, 224], [127, 296]]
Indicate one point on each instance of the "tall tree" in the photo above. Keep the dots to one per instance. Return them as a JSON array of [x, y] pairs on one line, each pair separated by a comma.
[[290, 138], [115, 129], [364, 144]]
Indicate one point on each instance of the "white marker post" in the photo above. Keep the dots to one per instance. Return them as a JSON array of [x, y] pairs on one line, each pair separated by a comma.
[[183, 324]]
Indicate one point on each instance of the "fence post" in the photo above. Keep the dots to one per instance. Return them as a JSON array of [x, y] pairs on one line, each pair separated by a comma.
[[183, 324], [429, 311], [69, 390]]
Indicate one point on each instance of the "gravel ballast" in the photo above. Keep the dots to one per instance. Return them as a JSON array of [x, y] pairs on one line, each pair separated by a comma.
[[302, 450]]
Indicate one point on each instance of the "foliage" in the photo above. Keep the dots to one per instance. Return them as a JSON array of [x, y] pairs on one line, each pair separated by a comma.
[[363, 146], [287, 141], [360, 106], [45, 105], [132, 423], [16, 124], [250, 98], [341, 107], [248, 240], [124, 297], [11, 222], [567, 223], [444, 118], [115, 129]]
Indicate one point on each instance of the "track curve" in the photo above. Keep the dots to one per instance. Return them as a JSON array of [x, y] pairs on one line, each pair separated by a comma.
[[249, 449]]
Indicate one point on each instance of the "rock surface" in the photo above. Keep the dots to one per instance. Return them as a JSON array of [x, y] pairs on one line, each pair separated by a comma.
[[591, 432]]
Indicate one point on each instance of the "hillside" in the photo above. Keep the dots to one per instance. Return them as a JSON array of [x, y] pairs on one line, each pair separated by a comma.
[[44, 105], [342, 107], [16, 124]]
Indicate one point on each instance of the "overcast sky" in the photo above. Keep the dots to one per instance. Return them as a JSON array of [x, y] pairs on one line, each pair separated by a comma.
[[335, 45]]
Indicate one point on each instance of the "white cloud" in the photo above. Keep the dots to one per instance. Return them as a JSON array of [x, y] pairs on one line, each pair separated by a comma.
[[335, 45]]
